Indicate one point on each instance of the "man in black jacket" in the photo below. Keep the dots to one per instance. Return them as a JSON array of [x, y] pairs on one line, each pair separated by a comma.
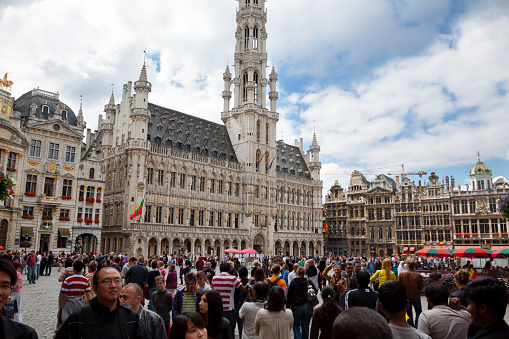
[[51, 259], [137, 274], [363, 296], [9, 328], [104, 316]]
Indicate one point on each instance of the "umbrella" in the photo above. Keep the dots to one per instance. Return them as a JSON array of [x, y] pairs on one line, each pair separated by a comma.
[[433, 252], [232, 250], [450, 250], [249, 251], [2, 248], [500, 253], [471, 253]]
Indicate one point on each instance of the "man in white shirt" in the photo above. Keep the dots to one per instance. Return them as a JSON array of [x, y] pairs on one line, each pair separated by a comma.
[[38, 265], [442, 321], [394, 304], [293, 274]]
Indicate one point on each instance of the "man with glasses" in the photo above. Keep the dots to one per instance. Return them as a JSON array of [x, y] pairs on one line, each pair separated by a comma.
[[104, 316], [9, 328], [152, 323]]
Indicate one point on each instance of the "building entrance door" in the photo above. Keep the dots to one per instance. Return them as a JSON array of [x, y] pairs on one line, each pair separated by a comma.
[[44, 243]]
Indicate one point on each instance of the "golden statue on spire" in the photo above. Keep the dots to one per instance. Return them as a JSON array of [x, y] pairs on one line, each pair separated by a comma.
[[4, 83]]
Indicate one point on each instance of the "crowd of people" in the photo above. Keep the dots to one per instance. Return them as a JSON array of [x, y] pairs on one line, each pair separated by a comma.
[[120, 296]]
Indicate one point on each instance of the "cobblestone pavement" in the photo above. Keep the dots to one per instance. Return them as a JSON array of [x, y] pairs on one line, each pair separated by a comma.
[[39, 303]]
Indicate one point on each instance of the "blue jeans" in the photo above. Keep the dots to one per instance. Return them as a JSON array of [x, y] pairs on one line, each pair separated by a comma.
[[230, 315], [301, 318], [31, 274], [149, 294], [38, 270], [416, 303]]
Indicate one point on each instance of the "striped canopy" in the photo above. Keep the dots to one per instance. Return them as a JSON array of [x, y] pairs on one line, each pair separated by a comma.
[[472, 253], [433, 252]]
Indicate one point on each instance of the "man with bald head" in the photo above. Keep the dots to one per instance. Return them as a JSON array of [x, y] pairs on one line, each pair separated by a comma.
[[151, 322]]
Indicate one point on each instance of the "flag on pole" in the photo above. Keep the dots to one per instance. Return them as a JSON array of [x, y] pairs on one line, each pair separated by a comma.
[[270, 166], [473, 273], [262, 157], [325, 227], [138, 210]]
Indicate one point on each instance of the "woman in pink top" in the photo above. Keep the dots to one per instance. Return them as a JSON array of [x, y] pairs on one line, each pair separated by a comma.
[[16, 292]]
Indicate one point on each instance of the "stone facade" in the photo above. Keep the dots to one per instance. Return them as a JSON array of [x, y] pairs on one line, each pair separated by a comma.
[[405, 217], [206, 186], [50, 174]]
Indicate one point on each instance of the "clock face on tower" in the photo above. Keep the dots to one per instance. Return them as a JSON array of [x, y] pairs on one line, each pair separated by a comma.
[[140, 186]]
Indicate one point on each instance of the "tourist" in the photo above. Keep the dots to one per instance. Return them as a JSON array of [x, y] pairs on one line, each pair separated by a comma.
[[384, 274], [151, 322], [209, 272], [363, 295], [256, 264], [336, 281], [259, 275], [297, 301], [487, 303], [275, 278], [323, 316], [293, 273], [32, 267], [75, 291], [8, 279], [151, 283], [137, 274], [413, 283], [394, 304], [202, 281], [248, 311], [435, 277], [348, 275], [200, 264], [189, 325], [49, 264], [211, 308], [163, 301], [362, 323], [226, 284], [187, 298], [442, 321], [313, 274], [461, 279], [171, 280], [92, 267], [104, 316], [16, 292], [160, 267], [126, 267], [273, 321]]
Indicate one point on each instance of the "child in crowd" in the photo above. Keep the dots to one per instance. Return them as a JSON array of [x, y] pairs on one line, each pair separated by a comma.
[[163, 301]]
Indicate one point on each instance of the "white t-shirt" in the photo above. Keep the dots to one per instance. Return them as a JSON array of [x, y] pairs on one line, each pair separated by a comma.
[[407, 333], [39, 258]]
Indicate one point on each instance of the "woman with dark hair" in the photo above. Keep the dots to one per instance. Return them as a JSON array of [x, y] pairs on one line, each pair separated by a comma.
[[211, 308], [324, 316], [188, 325], [259, 275], [151, 282], [360, 322], [273, 321]]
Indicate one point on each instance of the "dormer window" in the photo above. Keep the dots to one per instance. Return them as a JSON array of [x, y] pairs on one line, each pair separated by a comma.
[[45, 109], [91, 173], [64, 114]]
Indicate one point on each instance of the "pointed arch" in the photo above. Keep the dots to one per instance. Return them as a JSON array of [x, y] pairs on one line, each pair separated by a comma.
[[258, 158]]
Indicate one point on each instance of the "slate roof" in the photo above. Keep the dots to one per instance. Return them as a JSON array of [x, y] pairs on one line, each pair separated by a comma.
[[22, 105], [170, 128], [97, 144], [290, 160]]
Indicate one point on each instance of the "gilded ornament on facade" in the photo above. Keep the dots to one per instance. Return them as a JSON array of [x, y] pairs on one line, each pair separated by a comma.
[[52, 166], [69, 168], [5, 83], [33, 163]]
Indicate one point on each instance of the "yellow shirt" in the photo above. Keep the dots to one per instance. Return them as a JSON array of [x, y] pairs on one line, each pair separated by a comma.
[[382, 277]]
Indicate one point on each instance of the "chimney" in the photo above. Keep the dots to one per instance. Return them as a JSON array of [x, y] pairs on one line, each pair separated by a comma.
[[452, 182]]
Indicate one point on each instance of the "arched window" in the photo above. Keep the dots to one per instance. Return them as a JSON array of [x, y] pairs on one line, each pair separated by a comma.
[[258, 157], [244, 86], [246, 39], [258, 132], [267, 157], [91, 174], [267, 133], [255, 39], [255, 78], [45, 109]]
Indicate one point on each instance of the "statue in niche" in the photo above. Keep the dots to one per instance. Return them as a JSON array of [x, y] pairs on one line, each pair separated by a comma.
[[33, 109]]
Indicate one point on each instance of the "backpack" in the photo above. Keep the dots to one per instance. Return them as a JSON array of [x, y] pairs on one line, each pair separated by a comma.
[[312, 298], [272, 283]]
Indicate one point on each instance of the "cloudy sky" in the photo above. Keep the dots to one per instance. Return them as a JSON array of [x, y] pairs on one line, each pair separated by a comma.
[[419, 83]]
